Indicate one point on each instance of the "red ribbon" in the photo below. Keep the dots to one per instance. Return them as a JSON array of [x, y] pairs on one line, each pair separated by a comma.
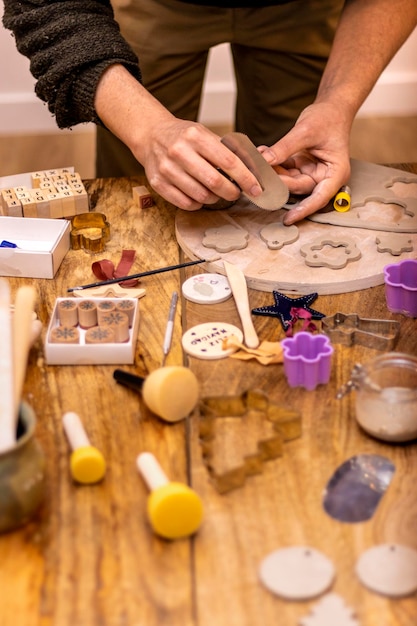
[[300, 314], [105, 270]]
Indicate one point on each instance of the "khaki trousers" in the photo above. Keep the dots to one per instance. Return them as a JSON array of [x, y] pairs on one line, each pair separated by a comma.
[[279, 54]]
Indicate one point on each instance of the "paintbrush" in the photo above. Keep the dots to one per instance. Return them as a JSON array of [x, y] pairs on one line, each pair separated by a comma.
[[112, 281], [7, 413]]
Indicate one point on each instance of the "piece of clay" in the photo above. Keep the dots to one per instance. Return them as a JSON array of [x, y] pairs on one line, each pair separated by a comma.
[[231, 453], [297, 573], [394, 243], [226, 238], [389, 569], [277, 235], [342, 252], [205, 341], [331, 610], [206, 289], [395, 209]]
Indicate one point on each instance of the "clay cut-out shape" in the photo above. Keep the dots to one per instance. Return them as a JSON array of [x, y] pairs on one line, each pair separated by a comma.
[[389, 569], [331, 610], [394, 243], [345, 251], [297, 573], [230, 465], [226, 238], [371, 183], [277, 235]]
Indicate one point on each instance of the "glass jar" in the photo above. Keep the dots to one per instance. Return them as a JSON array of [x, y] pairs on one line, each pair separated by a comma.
[[386, 396]]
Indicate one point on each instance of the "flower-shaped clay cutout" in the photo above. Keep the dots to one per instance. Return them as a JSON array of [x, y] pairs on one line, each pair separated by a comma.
[[317, 254], [277, 235], [226, 238]]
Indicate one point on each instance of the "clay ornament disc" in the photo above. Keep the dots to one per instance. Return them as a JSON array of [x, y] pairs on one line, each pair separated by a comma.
[[205, 341], [207, 289], [297, 573], [389, 569]]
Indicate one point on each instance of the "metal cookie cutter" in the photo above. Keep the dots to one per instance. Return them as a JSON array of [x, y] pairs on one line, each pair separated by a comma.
[[351, 329], [89, 231]]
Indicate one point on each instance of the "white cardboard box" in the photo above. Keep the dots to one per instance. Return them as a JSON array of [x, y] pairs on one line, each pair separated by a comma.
[[42, 245], [87, 354]]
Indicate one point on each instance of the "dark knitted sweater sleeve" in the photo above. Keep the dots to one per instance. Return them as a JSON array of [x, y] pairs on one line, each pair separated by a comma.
[[69, 43]]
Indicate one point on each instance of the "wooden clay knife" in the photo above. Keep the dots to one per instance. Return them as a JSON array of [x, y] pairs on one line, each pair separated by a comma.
[[239, 288], [275, 193]]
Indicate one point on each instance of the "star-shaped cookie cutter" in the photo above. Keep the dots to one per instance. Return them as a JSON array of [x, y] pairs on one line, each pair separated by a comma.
[[351, 329]]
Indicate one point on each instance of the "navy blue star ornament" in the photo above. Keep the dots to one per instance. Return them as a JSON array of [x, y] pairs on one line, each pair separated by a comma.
[[283, 305]]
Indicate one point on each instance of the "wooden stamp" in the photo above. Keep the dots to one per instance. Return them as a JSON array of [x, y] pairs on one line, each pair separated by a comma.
[[142, 197]]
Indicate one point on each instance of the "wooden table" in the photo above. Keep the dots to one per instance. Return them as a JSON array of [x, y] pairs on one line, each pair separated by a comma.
[[89, 557]]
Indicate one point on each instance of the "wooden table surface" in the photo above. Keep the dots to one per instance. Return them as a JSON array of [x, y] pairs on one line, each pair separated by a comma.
[[89, 557]]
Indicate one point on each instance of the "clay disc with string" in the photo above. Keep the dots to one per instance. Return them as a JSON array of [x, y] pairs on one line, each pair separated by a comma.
[[389, 569], [297, 573], [205, 341], [207, 289]]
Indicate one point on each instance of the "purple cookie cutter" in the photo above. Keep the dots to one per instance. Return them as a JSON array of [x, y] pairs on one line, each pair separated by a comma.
[[307, 360], [401, 287]]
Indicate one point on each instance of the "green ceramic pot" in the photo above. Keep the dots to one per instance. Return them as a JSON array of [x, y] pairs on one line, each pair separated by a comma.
[[22, 475]]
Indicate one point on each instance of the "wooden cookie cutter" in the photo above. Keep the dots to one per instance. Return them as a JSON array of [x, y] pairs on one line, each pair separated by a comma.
[[282, 425], [90, 231], [352, 329]]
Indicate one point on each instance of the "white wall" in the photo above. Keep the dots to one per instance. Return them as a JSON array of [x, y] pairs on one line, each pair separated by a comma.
[[21, 112]]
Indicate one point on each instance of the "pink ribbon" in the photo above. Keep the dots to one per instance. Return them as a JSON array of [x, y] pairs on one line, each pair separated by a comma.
[[300, 314]]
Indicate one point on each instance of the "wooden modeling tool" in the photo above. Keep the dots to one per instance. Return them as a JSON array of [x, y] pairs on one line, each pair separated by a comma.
[[113, 281], [87, 464], [22, 338], [7, 404], [239, 288], [174, 509], [171, 392]]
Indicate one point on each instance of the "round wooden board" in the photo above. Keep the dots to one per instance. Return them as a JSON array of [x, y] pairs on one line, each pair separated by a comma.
[[285, 269]]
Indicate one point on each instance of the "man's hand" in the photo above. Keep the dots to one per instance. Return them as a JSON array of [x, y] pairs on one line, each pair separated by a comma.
[[313, 158]]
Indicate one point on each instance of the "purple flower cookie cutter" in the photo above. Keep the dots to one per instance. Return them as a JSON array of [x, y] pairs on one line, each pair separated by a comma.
[[401, 287], [307, 360]]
